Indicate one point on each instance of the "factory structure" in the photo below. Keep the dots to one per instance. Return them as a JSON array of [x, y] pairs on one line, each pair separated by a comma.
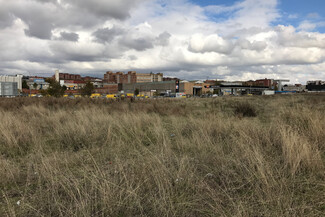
[[150, 85], [10, 86]]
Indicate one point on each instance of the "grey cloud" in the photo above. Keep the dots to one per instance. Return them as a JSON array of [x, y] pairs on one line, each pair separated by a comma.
[[103, 8], [163, 39], [39, 30], [66, 51], [6, 18], [106, 35], [255, 45], [132, 57], [69, 36], [139, 44], [42, 17]]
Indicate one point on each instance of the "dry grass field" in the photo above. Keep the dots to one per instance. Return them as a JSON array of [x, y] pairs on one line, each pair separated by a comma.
[[248, 156]]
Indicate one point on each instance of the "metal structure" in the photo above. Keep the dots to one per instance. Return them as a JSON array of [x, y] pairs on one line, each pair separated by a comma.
[[280, 85], [8, 89]]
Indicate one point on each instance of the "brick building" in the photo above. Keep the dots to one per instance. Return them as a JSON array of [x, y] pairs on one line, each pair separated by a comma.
[[120, 77], [149, 77], [132, 77], [261, 82], [66, 76], [107, 89], [161, 87], [194, 88]]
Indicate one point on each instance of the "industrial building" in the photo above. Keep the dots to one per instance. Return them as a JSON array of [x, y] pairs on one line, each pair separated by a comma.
[[8, 89], [150, 88], [194, 88], [37, 83], [315, 86], [8, 78]]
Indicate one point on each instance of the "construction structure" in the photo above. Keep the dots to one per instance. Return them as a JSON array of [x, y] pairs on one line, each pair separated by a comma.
[[280, 85]]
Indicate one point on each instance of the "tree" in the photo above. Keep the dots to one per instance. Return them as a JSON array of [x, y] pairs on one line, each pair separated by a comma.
[[136, 92], [35, 86], [55, 89], [88, 89], [25, 85]]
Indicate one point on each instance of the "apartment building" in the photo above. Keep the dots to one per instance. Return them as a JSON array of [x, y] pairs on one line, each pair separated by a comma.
[[132, 77], [120, 77], [149, 77]]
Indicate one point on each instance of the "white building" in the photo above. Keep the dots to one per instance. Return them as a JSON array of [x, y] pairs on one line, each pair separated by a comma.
[[18, 79]]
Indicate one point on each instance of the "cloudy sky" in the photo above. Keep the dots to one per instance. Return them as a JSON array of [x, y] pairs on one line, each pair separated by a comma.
[[190, 39]]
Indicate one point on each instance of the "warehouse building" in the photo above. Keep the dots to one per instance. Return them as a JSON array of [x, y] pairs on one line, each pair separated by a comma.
[[8, 89]]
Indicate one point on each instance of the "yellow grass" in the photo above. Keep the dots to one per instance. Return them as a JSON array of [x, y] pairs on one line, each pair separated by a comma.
[[187, 157]]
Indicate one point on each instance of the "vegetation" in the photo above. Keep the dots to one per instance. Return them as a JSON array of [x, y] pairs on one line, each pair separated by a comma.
[[55, 89], [136, 92], [187, 157], [88, 89], [35, 86], [25, 85]]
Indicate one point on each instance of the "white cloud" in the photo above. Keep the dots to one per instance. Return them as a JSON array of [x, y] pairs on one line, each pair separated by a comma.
[[143, 35], [211, 43]]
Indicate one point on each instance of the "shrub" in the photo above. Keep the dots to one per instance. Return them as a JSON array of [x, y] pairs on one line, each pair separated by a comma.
[[245, 110]]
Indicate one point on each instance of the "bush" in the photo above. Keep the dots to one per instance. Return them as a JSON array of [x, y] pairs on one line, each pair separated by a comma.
[[245, 110]]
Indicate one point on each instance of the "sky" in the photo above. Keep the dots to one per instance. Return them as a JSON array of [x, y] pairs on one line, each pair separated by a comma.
[[189, 39]]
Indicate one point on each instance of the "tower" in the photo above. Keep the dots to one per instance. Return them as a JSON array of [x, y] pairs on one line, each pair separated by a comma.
[[57, 76]]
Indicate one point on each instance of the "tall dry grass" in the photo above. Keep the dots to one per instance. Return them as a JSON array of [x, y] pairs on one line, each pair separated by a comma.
[[193, 157]]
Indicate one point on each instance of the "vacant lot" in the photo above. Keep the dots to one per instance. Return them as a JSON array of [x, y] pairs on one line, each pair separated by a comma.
[[249, 156]]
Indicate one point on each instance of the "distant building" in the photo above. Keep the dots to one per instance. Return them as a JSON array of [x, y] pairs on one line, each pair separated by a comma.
[[315, 85], [120, 77], [74, 84], [150, 88], [37, 83], [149, 77], [107, 89], [170, 79], [194, 88], [261, 82], [8, 78], [296, 88], [66, 76], [132, 77]]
